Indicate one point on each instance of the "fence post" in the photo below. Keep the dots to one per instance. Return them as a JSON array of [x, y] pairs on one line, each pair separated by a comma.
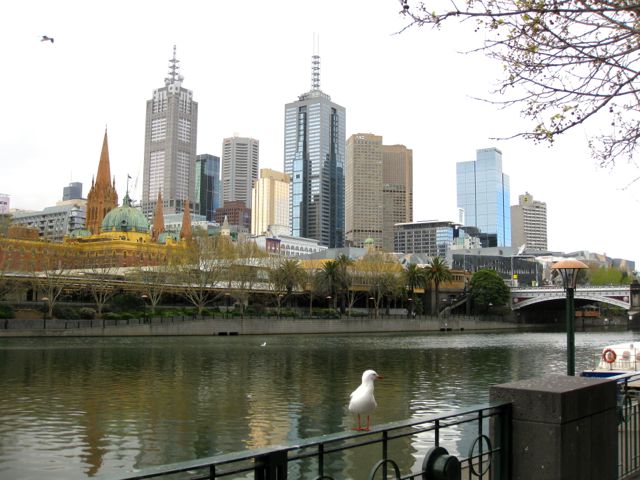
[[271, 466], [563, 427]]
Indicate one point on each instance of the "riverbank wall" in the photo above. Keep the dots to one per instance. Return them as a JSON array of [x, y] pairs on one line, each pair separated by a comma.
[[257, 326]]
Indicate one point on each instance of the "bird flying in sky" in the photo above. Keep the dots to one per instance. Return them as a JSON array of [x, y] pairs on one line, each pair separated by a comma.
[[46, 39]]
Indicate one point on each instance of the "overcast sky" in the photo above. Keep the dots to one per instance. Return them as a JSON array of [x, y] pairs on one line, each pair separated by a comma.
[[244, 61]]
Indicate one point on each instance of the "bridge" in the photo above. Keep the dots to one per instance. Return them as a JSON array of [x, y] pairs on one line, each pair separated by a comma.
[[623, 296]]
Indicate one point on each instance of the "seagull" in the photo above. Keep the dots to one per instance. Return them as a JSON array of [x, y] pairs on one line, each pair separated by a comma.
[[362, 400], [46, 39], [263, 344]]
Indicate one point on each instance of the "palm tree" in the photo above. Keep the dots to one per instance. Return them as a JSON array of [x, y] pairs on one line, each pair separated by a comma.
[[329, 277], [413, 277], [287, 276], [344, 278], [436, 272]]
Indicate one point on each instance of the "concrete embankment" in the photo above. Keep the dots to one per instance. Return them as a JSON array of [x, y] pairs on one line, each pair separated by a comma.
[[265, 326]]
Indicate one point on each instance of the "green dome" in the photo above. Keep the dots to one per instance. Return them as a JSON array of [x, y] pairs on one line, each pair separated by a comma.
[[125, 219]]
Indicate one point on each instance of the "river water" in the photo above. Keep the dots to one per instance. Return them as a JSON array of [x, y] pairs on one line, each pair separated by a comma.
[[80, 407]]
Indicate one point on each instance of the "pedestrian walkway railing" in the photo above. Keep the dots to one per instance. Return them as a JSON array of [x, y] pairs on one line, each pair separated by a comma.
[[428, 447], [628, 425]]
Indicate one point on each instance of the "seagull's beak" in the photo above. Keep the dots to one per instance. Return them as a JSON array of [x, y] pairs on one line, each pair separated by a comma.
[[379, 377]]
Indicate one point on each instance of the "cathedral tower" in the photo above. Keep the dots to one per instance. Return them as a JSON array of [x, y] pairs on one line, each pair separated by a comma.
[[103, 196]]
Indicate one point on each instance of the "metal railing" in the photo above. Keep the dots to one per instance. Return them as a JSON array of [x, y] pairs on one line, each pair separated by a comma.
[[407, 449], [628, 425]]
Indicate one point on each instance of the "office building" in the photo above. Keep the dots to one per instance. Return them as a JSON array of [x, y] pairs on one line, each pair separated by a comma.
[[4, 203], [270, 200], [397, 190], [170, 145], [240, 157], [72, 192], [207, 190], [363, 190], [53, 223], [378, 190], [236, 213], [529, 223], [314, 156], [483, 194], [433, 238]]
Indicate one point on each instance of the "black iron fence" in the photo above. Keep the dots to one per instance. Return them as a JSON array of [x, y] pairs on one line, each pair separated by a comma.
[[411, 449]]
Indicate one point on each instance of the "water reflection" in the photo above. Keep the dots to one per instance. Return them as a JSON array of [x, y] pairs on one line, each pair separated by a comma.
[[81, 407]]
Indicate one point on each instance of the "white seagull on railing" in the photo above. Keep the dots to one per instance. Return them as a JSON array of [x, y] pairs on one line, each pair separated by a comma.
[[362, 399]]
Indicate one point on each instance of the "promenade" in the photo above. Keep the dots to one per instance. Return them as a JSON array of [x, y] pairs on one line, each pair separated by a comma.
[[251, 326]]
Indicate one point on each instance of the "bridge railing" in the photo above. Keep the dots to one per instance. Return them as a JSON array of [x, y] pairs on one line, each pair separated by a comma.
[[391, 448]]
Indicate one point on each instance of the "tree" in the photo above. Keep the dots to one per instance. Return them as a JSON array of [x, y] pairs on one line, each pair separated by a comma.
[[201, 269], [344, 279], [246, 262], [286, 277], [381, 274], [151, 281], [49, 272], [330, 279], [487, 288], [413, 277], [436, 273], [101, 283], [608, 276], [565, 62]]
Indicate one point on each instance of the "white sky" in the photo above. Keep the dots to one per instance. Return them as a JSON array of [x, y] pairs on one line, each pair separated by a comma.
[[244, 61]]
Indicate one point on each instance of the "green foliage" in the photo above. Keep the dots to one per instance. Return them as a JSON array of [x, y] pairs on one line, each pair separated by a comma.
[[123, 302], [66, 313], [87, 313], [608, 276], [564, 63], [6, 312], [111, 316], [486, 288]]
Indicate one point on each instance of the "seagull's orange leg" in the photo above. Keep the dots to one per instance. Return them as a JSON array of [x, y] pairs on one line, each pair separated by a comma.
[[358, 428], [368, 423]]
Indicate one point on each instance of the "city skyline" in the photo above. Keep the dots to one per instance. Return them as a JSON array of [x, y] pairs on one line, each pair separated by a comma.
[[413, 89]]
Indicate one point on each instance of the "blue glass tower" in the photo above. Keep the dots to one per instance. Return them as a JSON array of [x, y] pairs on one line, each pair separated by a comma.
[[483, 192], [314, 156], [208, 184]]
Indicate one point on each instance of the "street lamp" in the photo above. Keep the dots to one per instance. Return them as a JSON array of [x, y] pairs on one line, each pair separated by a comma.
[[45, 307], [227, 297], [144, 301], [569, 272]]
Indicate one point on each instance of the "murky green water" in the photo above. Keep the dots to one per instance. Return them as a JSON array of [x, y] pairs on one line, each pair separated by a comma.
[[72, 408]]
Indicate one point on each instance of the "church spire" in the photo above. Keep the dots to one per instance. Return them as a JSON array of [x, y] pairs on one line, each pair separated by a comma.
[[102, 197], [185, 231], [104, 169], [158, 219]]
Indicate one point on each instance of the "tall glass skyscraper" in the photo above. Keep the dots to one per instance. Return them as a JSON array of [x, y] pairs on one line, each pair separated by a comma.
[[170, 145], [483, 194], [314, 156], [207, 184]]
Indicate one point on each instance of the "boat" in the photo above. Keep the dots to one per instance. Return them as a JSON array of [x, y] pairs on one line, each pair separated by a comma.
[[618, 359]]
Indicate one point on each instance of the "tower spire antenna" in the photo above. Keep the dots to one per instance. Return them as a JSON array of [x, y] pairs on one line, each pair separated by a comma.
[[174, 70], [315, 63]]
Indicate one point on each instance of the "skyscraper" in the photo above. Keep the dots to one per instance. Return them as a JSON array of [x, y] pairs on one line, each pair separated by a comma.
[[363, 190], [240, 158], [378, 190], [483, 193], [270, 201], [397, 193], [207, 192], [170, 145], [314, 155], [72, 192], [529, 223]]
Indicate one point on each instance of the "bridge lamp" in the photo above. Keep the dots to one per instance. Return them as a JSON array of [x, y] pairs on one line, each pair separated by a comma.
[[568, 270]]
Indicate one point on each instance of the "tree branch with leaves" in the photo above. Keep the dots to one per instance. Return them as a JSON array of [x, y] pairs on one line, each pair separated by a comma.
[[565, 62]]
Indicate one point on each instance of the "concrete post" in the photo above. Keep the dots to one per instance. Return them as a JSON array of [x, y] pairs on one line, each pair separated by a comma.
[[563, 428]]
